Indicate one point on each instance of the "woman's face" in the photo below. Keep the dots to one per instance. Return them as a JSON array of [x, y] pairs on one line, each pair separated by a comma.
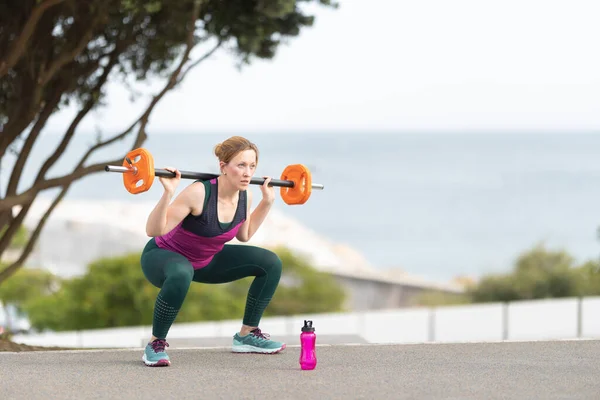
[[240, 169]]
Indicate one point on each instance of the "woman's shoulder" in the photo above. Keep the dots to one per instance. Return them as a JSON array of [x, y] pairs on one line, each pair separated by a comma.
[[196, 194], [198, 187]]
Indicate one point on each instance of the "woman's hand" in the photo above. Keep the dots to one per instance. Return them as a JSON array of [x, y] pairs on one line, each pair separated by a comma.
[[268, 192], [170, 184]]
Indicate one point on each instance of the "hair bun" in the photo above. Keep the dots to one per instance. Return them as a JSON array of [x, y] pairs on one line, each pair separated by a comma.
[[229, 148], [218, 149]]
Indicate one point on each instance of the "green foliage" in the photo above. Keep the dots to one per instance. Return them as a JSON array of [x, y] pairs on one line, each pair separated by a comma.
[[114, 293], [303, 289], [537, 274], [148, 35], [589, 278], [495, 288], [27, 284], [430, 298], [50, 312]]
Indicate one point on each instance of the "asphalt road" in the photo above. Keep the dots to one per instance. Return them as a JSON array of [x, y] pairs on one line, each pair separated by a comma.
[[529, 370]]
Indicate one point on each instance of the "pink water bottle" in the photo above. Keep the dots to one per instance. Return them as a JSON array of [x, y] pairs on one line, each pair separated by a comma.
[[308, 339]]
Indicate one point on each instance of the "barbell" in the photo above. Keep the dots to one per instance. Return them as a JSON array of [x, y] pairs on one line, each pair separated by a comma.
[[139, 172]]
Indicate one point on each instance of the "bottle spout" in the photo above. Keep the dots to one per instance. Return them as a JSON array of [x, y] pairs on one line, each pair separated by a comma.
[[308, 326]]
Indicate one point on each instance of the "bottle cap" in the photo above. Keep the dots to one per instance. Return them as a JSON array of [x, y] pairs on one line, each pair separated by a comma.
[[308, 326]]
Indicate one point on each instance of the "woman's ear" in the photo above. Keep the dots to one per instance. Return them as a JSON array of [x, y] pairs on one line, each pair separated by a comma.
[[221, 166]]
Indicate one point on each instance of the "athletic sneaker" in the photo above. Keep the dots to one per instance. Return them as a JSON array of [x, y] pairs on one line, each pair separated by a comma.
[[155, 355], [256, 342]]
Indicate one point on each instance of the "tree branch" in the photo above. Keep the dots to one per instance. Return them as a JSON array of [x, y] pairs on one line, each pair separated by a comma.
[[173, 79], [114, 57], [12, 268], [68, 56], [29, 195], [198, 61], [17, 170], [20, 45], [22, 117], [33, 135], [28, 109]]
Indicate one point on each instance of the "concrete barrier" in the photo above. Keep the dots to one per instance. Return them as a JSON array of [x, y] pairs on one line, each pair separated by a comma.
[[568, 318]]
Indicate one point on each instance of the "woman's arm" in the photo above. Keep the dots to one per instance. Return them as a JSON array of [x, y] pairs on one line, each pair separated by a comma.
[[165, 217], [255, 220]]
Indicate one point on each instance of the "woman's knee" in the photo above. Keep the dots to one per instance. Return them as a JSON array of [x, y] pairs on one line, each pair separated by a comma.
[[272, 262], [160, 265], [180, 274]]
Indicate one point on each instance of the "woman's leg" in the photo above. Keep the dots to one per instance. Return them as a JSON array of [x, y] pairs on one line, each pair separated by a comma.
[[235, 262], [172, 273]]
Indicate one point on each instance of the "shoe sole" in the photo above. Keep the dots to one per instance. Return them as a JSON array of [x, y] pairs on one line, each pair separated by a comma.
[[163, 362], [255, 350]]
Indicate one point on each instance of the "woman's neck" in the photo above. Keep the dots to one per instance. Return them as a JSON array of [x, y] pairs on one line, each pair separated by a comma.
[[226, 191]]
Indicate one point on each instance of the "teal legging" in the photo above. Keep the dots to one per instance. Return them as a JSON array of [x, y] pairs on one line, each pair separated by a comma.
[[173, 274]]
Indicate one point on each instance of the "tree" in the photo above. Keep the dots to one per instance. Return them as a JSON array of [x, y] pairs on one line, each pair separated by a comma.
[[590, 278], [431, 298], [538, 273], [304, 289], [115, 293], [59, 52], [26, 284]]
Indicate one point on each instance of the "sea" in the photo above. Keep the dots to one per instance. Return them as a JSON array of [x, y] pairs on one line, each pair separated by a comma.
[[437, 205]]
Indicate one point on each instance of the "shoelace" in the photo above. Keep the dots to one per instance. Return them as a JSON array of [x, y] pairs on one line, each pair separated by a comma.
[[159, 345], [258, 333]]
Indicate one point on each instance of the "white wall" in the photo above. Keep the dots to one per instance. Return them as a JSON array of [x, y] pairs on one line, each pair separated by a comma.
[[476, 323], [569, 318]]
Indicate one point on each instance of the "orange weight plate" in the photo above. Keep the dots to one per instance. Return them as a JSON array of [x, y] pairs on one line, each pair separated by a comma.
[[302, 179], [140, 179]]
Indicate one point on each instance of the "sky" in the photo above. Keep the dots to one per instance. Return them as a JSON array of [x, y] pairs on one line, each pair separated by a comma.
[[393, 66]]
